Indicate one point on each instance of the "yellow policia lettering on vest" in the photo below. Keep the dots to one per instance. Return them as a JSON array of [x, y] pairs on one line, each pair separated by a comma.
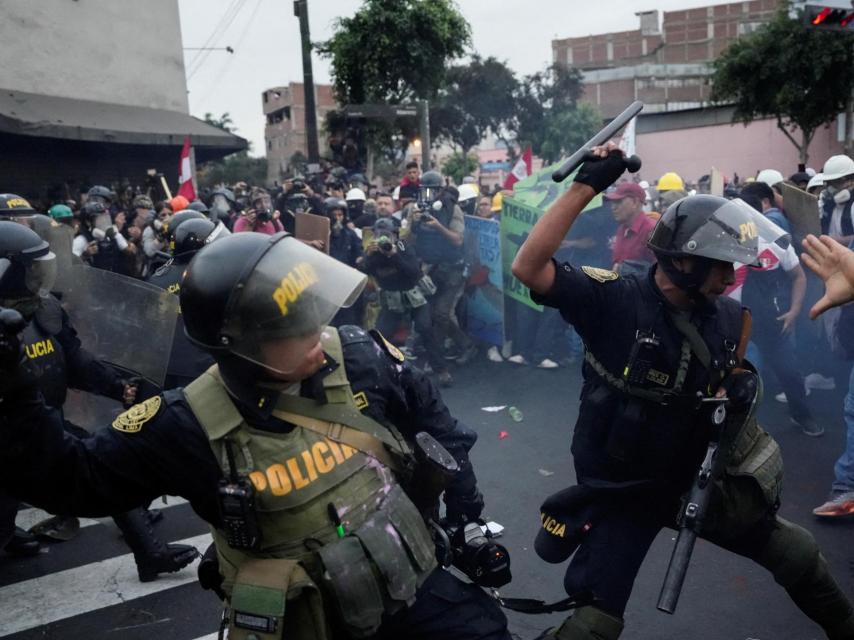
[[300, 471], [298, 279], [38, 349], [174, 288], [553, 526]]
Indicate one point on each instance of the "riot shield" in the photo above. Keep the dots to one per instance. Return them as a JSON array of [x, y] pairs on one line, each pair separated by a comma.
[[59, 236], [802, 209], [125, 322]]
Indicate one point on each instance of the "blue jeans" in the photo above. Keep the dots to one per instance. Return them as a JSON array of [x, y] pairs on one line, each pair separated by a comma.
[[844, 467]]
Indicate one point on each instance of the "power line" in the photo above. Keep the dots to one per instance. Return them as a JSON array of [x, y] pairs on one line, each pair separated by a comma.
[[223, 26]]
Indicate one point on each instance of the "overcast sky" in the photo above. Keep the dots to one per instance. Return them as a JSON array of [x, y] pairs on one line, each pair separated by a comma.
[[265, 37]]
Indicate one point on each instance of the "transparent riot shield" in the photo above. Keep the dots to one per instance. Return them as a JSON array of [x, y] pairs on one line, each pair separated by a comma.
[[59, 236], [125, 322]]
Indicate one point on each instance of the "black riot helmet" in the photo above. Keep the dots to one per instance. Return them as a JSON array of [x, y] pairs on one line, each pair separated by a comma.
[[190, 236], [14, 205], [708, 229], [92, 210], [263, 298], [99, 193], [27, 266], [177, 220], [198, 205], [430, 187]]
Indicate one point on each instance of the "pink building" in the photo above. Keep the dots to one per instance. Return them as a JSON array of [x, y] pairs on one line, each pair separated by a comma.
[[692, 142]]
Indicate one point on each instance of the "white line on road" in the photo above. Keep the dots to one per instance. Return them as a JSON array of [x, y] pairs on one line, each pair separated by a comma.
[[33, 603], [26, 518]]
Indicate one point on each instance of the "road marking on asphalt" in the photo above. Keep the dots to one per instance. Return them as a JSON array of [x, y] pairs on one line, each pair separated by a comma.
[[26, 518], [57, 596]]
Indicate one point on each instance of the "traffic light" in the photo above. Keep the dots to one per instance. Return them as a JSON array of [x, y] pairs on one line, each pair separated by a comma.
[[831, 15]]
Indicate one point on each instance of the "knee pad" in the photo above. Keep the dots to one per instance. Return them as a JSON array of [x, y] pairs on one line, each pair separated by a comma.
[[590, 623], [791, 553]]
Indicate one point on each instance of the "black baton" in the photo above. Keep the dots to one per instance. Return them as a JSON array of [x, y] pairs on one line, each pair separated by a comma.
[[574, 161]]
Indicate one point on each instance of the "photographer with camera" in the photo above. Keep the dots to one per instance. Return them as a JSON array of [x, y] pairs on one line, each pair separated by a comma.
[[438, 225], [404, 290], [260, 217], [296, 197]]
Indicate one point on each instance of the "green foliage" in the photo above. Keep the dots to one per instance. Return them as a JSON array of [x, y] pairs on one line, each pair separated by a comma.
[[224, 122], [800, 76], [394, 52], [231, 169], [548, 116], [477, 97], [460, 165]]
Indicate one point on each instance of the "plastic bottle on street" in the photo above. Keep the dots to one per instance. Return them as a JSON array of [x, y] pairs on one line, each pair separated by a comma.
[[515, 414]]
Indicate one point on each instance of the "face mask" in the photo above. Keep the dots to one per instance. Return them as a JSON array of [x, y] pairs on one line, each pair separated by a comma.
[[841, 197]]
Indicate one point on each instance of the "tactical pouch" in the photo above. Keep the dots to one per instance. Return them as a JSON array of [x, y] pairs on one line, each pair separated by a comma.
[[384, 547], [350, 577], [415, 298], [410, 525], [265, 590], [427, 286], [393, 301]]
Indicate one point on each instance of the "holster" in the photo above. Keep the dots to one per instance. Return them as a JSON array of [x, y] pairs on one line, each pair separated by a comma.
[[274, 599]]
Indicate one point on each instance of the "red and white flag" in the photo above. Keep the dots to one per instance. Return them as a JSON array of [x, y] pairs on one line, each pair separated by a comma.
[[185, 175], [521, 170]]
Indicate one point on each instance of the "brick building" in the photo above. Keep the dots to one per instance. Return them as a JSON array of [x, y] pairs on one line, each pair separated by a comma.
[[284, 132], [664, 63]]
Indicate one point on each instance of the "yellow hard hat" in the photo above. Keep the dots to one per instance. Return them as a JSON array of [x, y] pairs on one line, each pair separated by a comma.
[[497, 201], [670, 181]]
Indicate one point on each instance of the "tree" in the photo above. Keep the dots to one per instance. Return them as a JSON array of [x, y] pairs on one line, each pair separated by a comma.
[[548, 116], [224, 122], [460, 165], [234, 168], [476, 98], [393, 52], [799, 76]]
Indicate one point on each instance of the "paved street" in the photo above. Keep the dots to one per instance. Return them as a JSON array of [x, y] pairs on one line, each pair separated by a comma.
[[87, 588]]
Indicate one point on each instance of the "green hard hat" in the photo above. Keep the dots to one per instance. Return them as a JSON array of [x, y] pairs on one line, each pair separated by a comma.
[[59, 212]]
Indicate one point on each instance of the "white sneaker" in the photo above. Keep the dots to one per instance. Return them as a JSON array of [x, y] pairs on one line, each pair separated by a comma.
[[820, 382], [493, 356], [517, 359], [548, 364], [781, 397]]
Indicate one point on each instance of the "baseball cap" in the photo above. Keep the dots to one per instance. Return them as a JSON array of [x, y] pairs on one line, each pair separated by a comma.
[[627, 190], [565, 517]]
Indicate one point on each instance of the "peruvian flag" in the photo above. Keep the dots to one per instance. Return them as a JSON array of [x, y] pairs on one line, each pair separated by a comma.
[[185, 175], [521, 170]]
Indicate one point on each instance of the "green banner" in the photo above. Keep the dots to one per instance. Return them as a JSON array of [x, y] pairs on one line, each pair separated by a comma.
[[531, 198]]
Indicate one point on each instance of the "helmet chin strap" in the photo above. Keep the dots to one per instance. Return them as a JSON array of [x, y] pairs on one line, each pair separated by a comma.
[[690, 283]]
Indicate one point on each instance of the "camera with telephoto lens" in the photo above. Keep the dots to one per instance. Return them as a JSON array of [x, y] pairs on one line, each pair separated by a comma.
[[385, 244], [264, 214], [474, 552], [298, 186]]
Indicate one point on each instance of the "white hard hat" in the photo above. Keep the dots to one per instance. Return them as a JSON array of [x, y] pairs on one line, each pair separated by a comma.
[[810, 171], [816, 181], [838, 167], [467, 192], [769, 177], [355, 194]]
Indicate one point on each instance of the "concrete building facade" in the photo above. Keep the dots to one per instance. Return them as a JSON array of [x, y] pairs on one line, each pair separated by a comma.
[[284, 131], [664, 62], [95, 91]]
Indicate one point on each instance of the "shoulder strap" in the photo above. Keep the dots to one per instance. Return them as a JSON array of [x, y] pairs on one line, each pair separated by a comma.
[[847, 221], [336, 385], [212, 405], [698, 344]]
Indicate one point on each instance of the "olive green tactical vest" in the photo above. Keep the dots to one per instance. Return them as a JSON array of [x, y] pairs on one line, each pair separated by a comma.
[[296, 476]]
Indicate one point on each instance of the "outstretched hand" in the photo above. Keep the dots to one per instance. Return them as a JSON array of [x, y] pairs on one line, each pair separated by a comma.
[[833, 263]]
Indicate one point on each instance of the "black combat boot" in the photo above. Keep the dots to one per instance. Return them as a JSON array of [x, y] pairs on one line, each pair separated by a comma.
[[23, 543], [151, 554]]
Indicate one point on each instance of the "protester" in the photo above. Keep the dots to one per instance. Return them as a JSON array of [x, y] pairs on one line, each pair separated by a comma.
[[630, 253]]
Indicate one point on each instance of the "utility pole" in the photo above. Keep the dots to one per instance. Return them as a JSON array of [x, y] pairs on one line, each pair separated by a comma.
[[301, 12], [424, 108]]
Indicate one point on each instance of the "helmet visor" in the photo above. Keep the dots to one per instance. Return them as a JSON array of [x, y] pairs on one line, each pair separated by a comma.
[[274, 319], [41, 275], [733, 233]]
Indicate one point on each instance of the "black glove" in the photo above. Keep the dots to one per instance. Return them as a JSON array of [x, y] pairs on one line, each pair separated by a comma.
[[602, 172], [463, 509], [740, 389]]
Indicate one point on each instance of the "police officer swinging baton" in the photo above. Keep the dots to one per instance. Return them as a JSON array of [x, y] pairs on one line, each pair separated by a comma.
[[633, 163]]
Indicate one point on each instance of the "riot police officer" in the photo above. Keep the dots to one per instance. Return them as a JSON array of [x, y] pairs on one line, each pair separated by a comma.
[[54, 356], [186, 362], [293, 448], [657, 346]]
